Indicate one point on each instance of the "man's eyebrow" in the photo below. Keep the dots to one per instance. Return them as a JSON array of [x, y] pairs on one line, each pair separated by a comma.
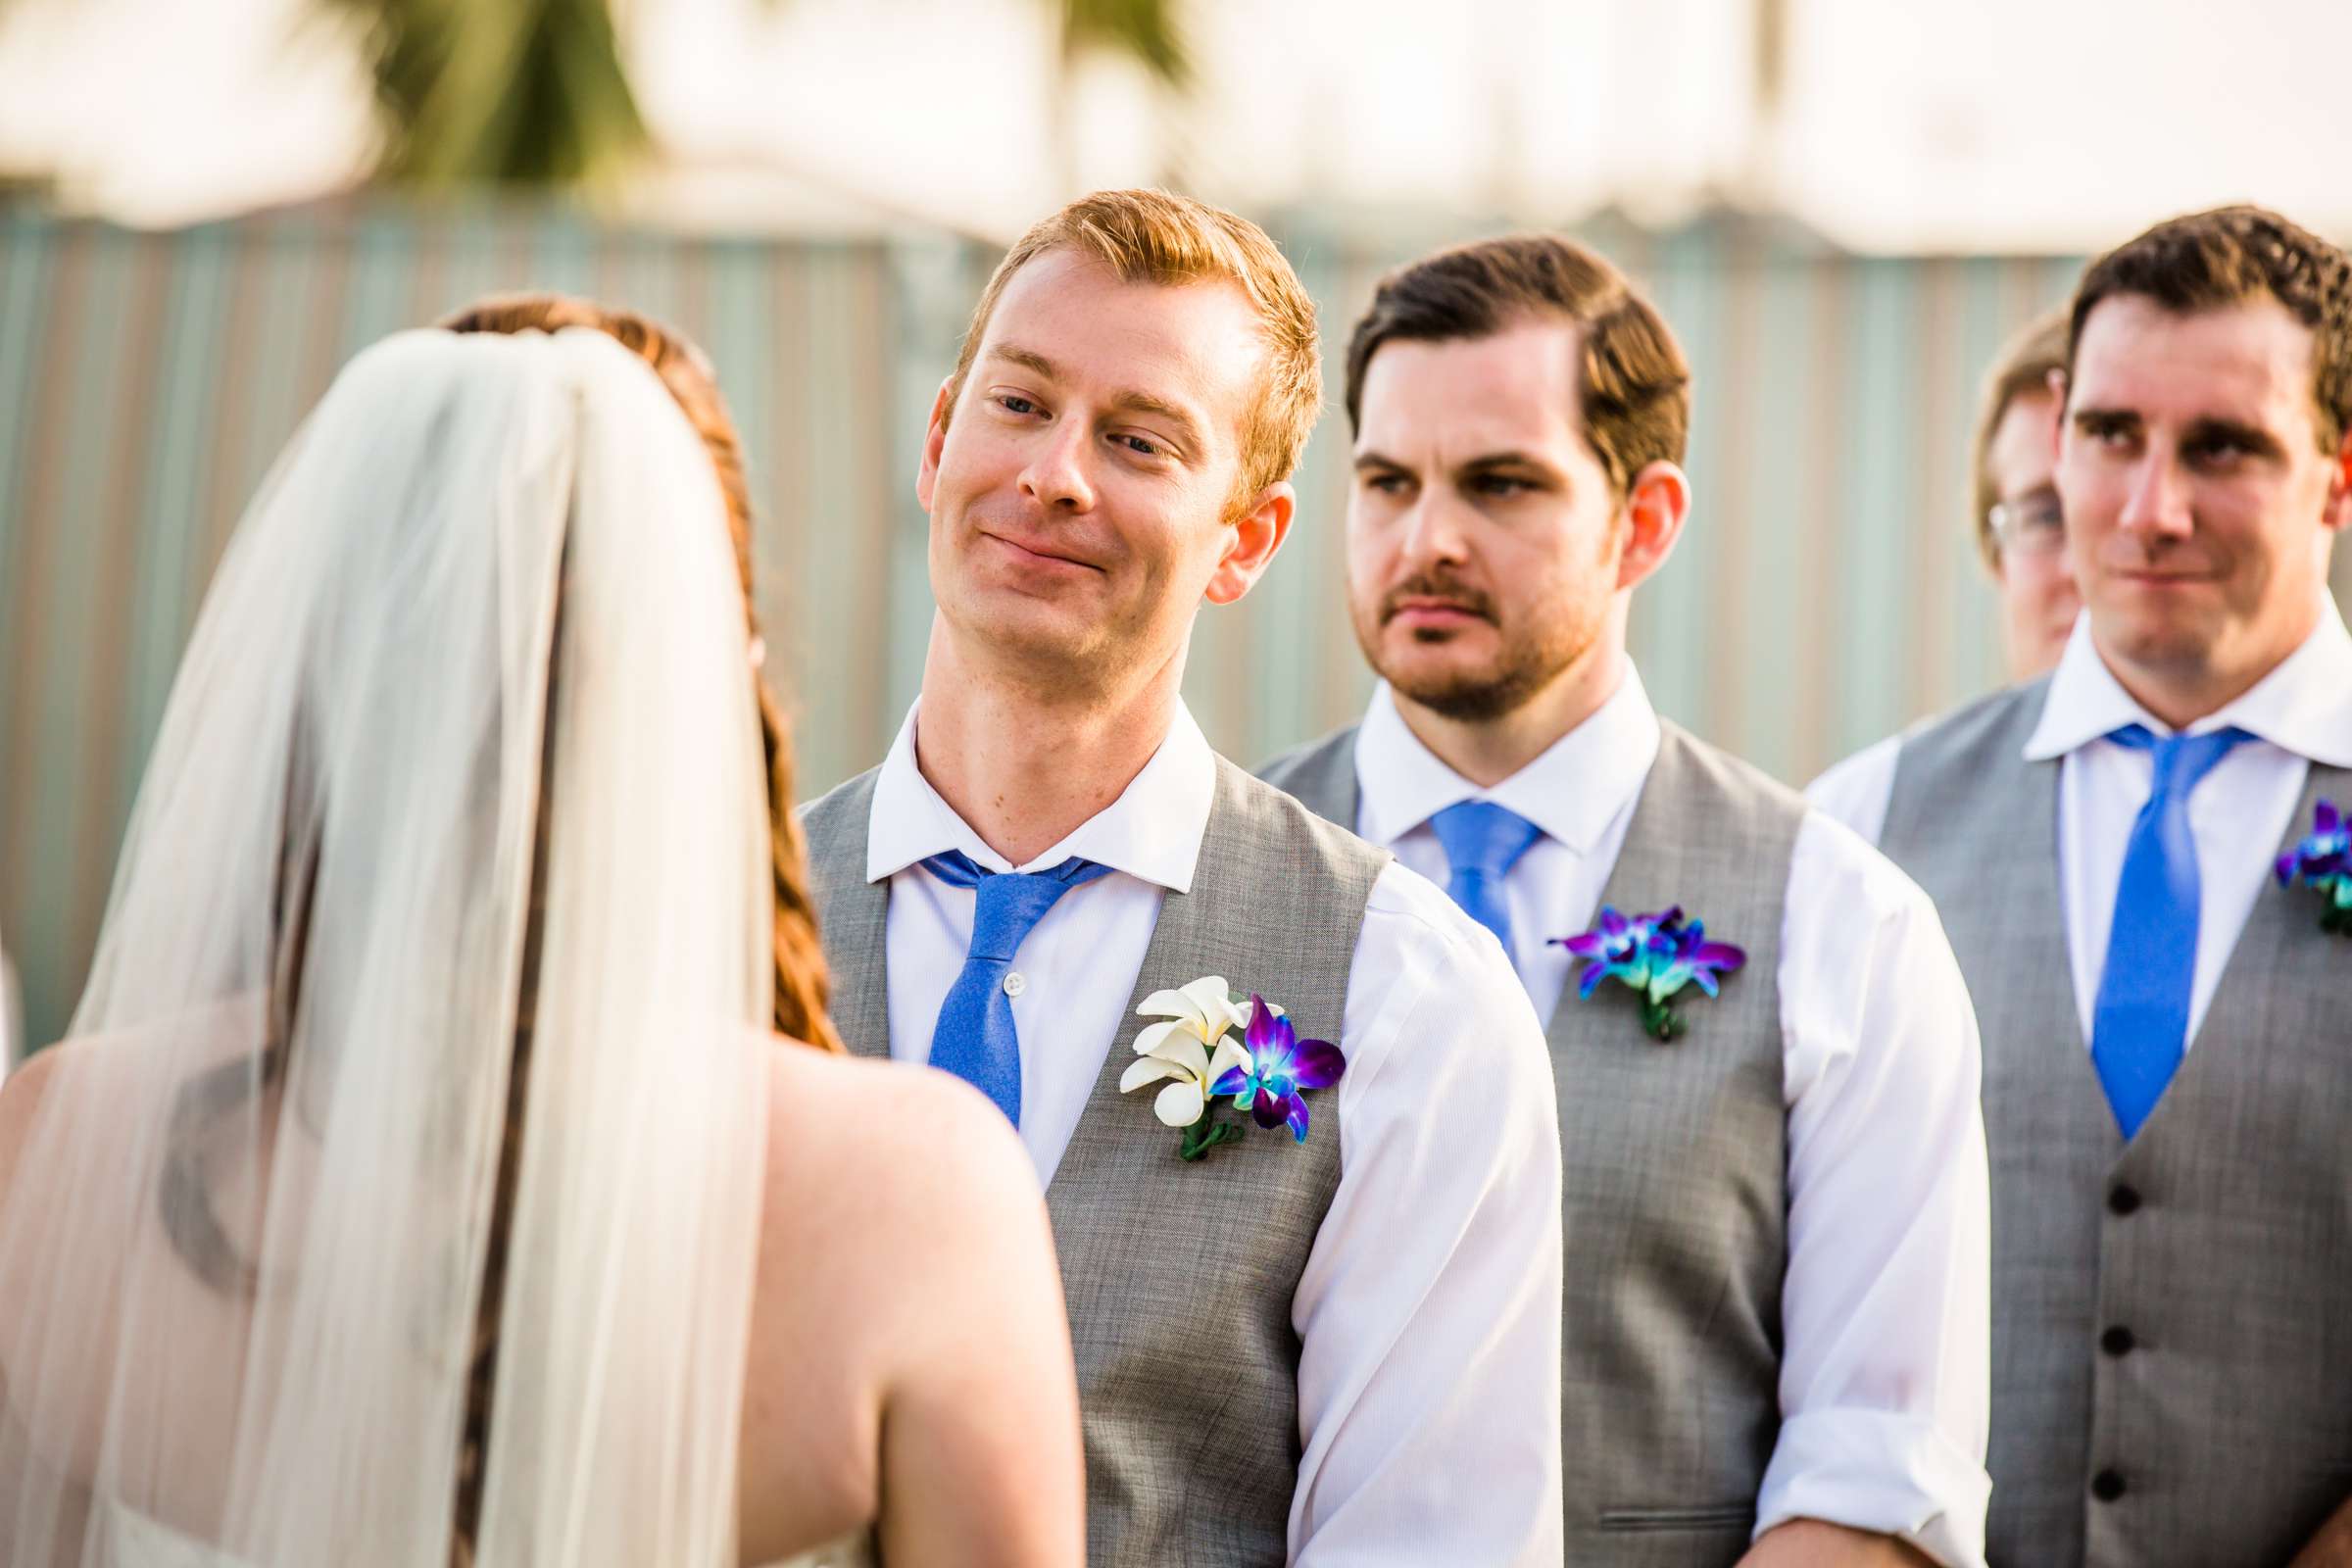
[[1188, 428], [1371, 459], [2253, 437], [1505, 460], [2082, 417], [1027, 360]]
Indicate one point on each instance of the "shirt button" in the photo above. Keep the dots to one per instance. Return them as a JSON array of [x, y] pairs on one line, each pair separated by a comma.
[[2117, 1340], [2106, 1486], [1014, 984], [2122, 1200]]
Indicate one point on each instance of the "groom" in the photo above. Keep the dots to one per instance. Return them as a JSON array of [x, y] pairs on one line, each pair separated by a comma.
[[1331, 1339], [1775, 1319]]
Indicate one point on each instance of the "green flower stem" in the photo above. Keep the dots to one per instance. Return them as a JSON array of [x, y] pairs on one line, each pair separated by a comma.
[[1659, 1019], [1207, 1134]]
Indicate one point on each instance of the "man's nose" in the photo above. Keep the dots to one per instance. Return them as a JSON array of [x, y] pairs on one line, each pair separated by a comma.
[[2156, 507], [1056, 475], [1434, 533]]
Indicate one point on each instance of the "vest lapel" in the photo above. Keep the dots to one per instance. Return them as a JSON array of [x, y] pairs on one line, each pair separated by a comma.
[[852, 914], [2272, 927]]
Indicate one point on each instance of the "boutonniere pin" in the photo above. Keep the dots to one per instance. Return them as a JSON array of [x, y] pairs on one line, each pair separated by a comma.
[[1264, 1073], [1657, 955], [2323, 861]]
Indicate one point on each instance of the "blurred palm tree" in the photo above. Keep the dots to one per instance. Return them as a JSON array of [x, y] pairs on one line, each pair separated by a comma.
[[1144, 31], [535, 91], [497, 91]]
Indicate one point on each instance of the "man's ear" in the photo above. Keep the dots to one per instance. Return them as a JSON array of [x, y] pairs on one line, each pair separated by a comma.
[[2336, 515], [935, 438], [1655, 504], [1251, 541]]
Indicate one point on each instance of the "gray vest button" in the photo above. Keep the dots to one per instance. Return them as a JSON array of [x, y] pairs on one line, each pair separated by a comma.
[[2106, 1486], [2117, 1341], [2123, 1199]]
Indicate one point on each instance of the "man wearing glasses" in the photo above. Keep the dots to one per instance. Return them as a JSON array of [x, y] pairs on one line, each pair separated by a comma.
[[2020, 527]]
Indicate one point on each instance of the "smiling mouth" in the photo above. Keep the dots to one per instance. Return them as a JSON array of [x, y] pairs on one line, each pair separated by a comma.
[[1029, 553]]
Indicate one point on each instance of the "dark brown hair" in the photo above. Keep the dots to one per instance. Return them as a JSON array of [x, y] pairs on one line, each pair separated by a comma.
[[1632, 383], [2211, 261], [2022, 369]]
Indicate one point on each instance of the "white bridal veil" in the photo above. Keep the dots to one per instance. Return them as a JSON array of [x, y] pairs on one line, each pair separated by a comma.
[[456, 824]]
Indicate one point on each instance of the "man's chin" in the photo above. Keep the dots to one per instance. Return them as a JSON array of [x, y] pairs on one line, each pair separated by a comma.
[[1467, 695]]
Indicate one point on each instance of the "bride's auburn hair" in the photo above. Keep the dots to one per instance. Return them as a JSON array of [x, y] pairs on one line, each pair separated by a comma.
[[803, 983]]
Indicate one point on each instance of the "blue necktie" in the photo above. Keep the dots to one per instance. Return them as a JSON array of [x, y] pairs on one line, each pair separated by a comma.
[[1483, 842], [2140, 1028], [974, 1038]]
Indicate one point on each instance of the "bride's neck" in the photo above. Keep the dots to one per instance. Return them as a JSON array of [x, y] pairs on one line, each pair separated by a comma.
[[1023, 764]]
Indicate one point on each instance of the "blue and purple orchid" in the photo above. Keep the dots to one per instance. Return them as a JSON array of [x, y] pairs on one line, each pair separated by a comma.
[[1272, 1085], [1656, 956], [1266, 1072], [2323, 861]]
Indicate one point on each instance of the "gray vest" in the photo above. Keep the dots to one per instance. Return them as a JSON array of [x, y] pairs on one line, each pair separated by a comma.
[[1179, 1277], [2172, 1320], [1675, 1195]]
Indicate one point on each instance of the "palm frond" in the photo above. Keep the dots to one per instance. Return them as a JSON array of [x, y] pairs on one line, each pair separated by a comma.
[[1149, 31], [503, 91]]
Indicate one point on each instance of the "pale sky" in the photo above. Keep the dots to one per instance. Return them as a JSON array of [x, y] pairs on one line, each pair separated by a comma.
[[2033, 124]]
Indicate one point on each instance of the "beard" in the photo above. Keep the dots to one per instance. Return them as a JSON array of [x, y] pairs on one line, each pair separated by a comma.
[[1525, 660]]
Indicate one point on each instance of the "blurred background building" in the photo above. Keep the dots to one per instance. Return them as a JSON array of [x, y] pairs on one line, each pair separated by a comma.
[[1843, 206]]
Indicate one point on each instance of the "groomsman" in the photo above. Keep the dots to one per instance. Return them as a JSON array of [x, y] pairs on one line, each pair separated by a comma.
[[2021, 531], [2167, 1090], [1774, 1308], [1330, 1336]]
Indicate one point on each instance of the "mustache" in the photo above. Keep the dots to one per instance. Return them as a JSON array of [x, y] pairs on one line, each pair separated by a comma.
[[1427, 587]]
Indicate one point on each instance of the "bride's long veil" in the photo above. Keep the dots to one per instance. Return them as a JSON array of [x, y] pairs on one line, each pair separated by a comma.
[[449, 880]]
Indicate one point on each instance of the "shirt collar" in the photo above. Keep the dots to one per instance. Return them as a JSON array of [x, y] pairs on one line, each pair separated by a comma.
[[1151, 832], [2304, 706], [1572, 791]]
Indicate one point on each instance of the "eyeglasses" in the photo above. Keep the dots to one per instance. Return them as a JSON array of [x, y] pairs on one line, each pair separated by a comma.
[[2034, 524]]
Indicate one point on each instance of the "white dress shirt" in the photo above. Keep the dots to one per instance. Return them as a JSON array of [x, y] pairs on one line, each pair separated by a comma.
[[2299, 713], [1428, 1315], [1886, 1310]]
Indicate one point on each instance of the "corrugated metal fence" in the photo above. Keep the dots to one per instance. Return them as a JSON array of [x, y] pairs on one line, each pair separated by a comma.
[[1825, 594]]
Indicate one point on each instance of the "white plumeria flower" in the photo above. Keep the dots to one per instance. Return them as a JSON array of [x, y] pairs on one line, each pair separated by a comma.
[[1197, 1018]]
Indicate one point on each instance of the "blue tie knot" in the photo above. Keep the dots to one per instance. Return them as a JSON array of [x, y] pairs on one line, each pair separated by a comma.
[[1008, 904], [1481, 836], [1483, 841], [2182, 760]]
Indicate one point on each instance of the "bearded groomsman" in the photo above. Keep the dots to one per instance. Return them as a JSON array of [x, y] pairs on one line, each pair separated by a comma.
[[1774, 1307], [2168, 1087], [1321, 1332]]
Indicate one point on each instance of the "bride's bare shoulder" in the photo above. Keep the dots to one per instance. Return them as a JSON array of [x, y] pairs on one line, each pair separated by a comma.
[[921, 1132]]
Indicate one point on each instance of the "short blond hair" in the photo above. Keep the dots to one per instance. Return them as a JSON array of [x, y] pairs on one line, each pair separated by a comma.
[[1159, 238], [2023, 369]]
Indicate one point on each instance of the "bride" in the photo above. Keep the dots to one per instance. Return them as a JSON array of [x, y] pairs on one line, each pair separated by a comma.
[[422, 1183]]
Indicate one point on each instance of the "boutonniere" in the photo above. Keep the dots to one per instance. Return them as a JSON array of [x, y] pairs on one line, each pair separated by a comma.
[[1265, 1072], [2323, 861], [1657, 955]]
